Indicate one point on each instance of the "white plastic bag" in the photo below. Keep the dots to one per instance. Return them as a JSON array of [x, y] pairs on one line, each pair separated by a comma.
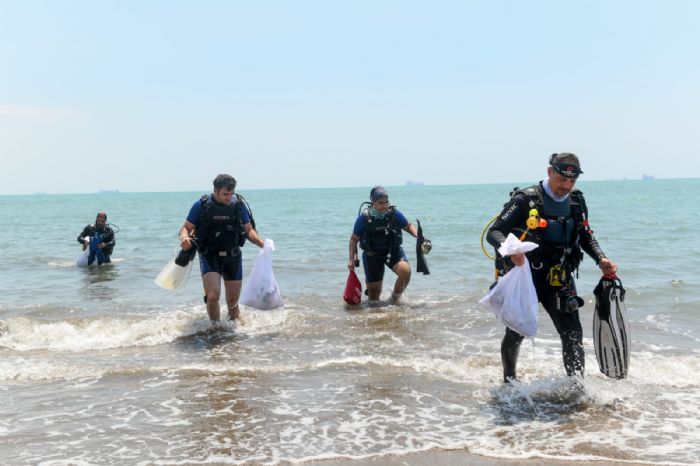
[[513, 245], [82, 260], [514, 299], [260, 290]]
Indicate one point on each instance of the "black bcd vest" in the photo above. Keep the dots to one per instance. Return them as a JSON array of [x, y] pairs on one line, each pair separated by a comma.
[[220, 227], [381, 235], [559, 241]]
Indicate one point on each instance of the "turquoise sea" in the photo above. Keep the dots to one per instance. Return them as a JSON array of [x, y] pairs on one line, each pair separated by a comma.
[[100, 366]]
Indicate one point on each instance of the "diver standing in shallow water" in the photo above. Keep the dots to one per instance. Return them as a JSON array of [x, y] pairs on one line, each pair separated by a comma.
[[221, 223], [378, 231], [102, 236], [562, 236]]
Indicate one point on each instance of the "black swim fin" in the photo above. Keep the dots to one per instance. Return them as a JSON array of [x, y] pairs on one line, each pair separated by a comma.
[[611, 336], [420, 256]]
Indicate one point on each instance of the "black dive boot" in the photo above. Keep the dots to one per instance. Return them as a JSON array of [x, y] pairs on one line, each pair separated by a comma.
[[510, 347]]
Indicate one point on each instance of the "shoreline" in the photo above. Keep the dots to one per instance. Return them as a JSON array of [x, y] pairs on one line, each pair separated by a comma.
[[460, 458]]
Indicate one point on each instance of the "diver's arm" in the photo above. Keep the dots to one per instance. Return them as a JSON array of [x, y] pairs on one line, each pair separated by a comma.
[[352, 252], [411, 229], [252, 235], [109, 241], [513, 215], [588, 242], [185, 231], [83, 234], [590, 245]]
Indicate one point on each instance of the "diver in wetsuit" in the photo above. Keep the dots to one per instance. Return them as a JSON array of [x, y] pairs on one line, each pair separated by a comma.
[[103, 235], [221, 223], [556, 259], [378, 231]]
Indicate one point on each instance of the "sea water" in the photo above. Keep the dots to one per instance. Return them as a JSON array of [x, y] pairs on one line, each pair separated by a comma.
[[100, 366]]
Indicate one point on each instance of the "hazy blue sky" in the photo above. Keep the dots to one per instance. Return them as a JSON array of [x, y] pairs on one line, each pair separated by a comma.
[[163, 95]]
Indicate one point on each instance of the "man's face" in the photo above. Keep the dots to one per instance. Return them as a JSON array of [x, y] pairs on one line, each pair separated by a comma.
[[381, 204], [100, 223], [223, 195], [560, 185]]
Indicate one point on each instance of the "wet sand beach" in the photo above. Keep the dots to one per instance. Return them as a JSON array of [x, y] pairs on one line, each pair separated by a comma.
[[460, 458]]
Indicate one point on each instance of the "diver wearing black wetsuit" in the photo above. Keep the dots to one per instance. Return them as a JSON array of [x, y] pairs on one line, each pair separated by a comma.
[[106, 234], [556, 259]]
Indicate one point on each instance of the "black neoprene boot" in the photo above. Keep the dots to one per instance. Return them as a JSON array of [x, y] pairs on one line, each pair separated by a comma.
[[510, 347]]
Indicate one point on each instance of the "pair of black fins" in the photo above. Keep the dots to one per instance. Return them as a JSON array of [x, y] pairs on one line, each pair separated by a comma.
[[611, 336]]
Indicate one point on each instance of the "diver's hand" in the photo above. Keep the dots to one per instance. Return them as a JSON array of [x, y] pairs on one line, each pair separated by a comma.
[[351, 265], [607, 266], [185, 243], [518, 258], [426, 246], [101, 245]]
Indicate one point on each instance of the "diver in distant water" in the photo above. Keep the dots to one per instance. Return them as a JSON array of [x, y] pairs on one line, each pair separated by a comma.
[[378, 231], [100, 237]]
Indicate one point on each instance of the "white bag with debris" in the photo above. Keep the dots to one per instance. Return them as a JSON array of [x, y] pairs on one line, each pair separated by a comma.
[[82, 260], [260, 290], [514, 299]]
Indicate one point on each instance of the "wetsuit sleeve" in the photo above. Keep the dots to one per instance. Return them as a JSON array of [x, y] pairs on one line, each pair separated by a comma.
[[83, 234], [195, 211], [109, 239], [360, 226], [513, 215], [401, 219], [588, 242]]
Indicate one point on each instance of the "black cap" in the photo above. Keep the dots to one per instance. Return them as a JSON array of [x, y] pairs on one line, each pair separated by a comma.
[[378, 192], [566, 164]]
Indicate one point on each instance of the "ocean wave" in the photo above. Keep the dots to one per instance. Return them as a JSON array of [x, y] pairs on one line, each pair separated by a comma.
[[125, 330]]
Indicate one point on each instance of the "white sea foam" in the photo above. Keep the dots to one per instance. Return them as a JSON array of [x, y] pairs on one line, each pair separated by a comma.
[[120, 331], [26, 334]]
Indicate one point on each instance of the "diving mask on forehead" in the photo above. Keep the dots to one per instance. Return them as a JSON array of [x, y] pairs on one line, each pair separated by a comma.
[[567, 169]]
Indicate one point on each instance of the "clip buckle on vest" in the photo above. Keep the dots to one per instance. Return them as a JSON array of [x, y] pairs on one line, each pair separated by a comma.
[[232, 252]]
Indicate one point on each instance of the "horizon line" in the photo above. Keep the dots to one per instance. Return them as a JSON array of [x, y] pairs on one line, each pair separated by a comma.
[[406, 185]]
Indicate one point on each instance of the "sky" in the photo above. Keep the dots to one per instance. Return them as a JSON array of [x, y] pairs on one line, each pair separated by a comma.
[[163, 95]]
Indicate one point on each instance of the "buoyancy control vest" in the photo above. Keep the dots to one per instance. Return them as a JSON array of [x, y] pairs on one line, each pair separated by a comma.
[[381, 235], [220, 227], [559, 240], [561, 225]]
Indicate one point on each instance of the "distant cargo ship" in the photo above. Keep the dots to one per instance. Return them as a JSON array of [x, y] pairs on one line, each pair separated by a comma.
[[414, 183], [646, 177], [108, 191]]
